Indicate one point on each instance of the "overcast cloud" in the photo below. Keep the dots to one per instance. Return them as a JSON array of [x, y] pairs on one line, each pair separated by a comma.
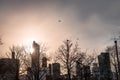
[[94, 22]]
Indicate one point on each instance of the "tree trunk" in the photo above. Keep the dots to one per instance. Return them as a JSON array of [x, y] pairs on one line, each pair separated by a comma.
[[69, 74]]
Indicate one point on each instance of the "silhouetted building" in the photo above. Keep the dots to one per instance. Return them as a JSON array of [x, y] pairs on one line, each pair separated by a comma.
[[104, 65], [79, 70], [35, 55], [9, 68], [56, 70], [95, 71], [49, 76], [83, 72], [35, 61], [50, 69], [43, 73], [87, 72], [35, 72], [44, 62]]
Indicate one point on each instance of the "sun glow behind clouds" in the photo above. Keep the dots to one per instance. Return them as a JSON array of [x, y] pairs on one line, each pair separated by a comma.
[[28, 45], [31, 50], [29, 34]]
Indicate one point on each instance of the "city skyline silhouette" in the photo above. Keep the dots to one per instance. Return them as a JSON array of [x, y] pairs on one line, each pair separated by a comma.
[[59, 40]]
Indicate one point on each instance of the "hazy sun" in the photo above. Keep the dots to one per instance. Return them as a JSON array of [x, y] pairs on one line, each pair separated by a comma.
[[28, 43], [31, 50]]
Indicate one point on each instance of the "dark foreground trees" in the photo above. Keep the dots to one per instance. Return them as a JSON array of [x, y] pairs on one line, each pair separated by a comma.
[[25, 56], [22, 54], [69, 53]]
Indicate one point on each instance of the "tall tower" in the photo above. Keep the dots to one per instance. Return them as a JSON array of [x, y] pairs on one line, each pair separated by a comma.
[[35, 60]]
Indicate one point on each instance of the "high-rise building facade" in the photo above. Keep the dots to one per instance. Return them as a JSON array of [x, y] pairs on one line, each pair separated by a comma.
[[9, 68], [87, 72], [95, 71], [104, 65], [35, 55], [79, 70], [35, 60], [56, 70]]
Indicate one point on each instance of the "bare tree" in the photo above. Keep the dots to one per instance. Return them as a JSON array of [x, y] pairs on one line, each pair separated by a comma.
[[22, 55], [69, 53], [84, 59]]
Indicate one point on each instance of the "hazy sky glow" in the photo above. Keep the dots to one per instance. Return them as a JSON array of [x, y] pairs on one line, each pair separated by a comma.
[[94, 22]]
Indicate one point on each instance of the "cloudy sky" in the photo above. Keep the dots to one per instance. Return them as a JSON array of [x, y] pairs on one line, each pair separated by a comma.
[[93, 22]]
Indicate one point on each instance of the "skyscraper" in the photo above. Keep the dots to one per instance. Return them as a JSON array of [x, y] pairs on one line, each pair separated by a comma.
[[104, 65], [95, 71], [87, 72], [35, 60], [79, 70], [56, 70]]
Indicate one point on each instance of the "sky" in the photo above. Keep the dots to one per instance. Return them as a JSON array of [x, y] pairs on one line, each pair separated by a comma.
[[92, 22]]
